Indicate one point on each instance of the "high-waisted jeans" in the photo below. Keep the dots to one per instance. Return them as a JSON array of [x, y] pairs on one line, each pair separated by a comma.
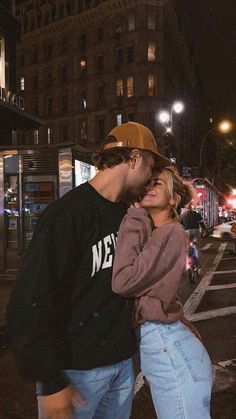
[[178, 369]]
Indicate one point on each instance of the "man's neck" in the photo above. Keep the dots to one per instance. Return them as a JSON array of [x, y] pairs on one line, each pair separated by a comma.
[[109, 183]]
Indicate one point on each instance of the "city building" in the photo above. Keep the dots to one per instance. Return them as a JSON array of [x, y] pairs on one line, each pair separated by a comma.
[[85, 66]]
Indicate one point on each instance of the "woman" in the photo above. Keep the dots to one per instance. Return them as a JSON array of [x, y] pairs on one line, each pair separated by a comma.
[[149, 263]]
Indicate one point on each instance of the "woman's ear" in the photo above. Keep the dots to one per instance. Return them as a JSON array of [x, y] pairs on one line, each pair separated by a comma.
[[175, 200]]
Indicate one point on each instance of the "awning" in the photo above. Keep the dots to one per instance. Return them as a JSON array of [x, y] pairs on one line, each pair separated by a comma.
[[16, 119]]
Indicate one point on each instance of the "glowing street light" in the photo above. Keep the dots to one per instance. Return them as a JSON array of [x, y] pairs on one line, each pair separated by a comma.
[[224, 127], [166, 117]]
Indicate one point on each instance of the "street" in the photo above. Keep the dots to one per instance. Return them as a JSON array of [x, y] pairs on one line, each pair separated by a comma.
[[210, 304]]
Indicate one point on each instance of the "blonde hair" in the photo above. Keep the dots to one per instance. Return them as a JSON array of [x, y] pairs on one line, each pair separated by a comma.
[[181, 191]]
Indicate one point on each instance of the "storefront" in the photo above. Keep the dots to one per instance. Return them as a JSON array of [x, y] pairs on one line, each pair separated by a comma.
[[30, 180]]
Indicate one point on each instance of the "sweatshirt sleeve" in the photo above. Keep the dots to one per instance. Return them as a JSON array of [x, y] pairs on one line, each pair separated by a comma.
[[36, 314], [139, 266]]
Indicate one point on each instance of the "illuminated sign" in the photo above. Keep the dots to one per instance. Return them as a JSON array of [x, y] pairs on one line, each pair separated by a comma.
[[12, 99]]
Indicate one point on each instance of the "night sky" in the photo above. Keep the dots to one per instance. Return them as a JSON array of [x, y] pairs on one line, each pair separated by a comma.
[[212, 27]]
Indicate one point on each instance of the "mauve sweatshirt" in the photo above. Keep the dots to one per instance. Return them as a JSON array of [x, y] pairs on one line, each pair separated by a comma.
[[149, 264]]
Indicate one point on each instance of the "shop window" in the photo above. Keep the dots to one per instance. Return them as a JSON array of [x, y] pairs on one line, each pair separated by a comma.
[[83, 102], [119, 119], [50, 135], [100, 64], [130, 86], [49, 106], [100, 128], [119, 56], [130, 54], [151, 85], [22, 83], [119, 87], [151, 51], [100, 35], [2, 62], [131, 23], [64, 73], [151, 21], [64, 103], [36, 136]]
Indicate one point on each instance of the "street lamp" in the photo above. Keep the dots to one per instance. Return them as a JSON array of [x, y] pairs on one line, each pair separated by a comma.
[[166, 117], [223, 126]]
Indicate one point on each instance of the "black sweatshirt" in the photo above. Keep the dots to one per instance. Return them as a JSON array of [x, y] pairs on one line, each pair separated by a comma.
[[62, 313]]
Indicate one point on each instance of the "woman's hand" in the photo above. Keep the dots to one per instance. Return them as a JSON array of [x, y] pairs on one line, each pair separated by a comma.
[[135, 205], [191, 327]]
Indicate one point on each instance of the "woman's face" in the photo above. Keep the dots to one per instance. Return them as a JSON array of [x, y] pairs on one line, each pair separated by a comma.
[[157, 194]]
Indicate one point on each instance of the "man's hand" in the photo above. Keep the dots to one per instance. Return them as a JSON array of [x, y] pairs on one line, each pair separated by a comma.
[[60, 405]]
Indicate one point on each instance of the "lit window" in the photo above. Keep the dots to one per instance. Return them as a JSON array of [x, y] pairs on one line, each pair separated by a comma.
[[36, 136], [49, 135], [151, 51], [2, 62], [151, 85], [83, 64], [119, 87], [119, 119], [22, 83], [151, 22], [83, 99], [130, 86], [131, 23]]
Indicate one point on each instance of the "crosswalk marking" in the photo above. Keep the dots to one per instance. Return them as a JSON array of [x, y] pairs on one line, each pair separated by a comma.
[[221, 287], [232, 271], [210, 314], [207, 246], [194, 300]]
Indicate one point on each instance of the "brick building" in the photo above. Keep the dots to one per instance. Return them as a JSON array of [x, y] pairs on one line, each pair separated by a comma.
[[85, 66]]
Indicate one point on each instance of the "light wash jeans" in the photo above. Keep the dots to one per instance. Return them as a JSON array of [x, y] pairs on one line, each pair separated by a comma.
[[178, 369], [108, 391]]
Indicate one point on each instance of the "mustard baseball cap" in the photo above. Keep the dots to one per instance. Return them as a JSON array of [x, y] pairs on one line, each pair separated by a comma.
[[135, 135]]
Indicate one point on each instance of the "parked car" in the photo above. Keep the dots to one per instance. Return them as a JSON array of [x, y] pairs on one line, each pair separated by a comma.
[[223, 231]]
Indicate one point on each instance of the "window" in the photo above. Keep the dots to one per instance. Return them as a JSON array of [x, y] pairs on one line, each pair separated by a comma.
[[64, 73], [49, 77], [119, 56], [100, 64], [152, 121], [119, 119], [35, 81], [151, 51], [100, 35], [130, 117], [130, 86], [100, 128], [83, 65], [64, 133], [34, 55], [64, 45], [64, 103], [22, 83], [2, 62], [131, 23], [151, 21], [119, 87], [36, 136], [46, 18], [83, 96], [48, 51], [22, 60], [83, 130], [61, 11], [100, 94], [35, 106], [49, 135], [49, 105], [151, 85], [118, 28], [32, 23], [130, 54], [82, 42]]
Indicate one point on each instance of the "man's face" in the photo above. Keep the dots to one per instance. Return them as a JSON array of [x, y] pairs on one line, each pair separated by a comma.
[[141, 174]]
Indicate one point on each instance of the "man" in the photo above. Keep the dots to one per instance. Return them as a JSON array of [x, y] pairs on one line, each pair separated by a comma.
[[233, 229], [68, 331], [192, 221]]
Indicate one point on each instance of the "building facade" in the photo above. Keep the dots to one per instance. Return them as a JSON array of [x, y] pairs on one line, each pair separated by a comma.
[[85, 66]]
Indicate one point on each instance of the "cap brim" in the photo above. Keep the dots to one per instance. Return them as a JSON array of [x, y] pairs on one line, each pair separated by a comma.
[[163, 161]]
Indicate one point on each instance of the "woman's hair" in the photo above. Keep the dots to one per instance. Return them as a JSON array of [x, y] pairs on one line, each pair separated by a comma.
[[180, 190]]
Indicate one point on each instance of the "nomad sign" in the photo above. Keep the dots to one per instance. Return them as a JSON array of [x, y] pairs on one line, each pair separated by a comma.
[[12, 99]]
